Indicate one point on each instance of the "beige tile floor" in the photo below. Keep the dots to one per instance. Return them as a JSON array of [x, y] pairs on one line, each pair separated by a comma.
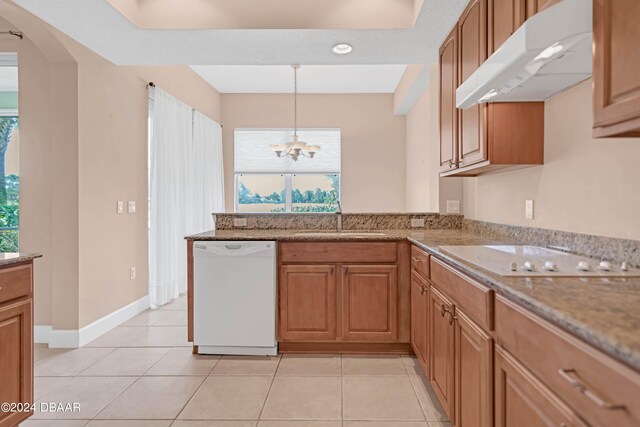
[[143, 374]]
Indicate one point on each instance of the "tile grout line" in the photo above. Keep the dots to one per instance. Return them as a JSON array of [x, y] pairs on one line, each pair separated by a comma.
[[269, 390]]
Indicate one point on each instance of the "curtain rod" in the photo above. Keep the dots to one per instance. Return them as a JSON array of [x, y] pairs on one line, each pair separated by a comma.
[[152, 84], [17, 34]]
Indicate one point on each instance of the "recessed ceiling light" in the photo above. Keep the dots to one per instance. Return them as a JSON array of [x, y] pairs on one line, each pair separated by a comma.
[[342, 48]]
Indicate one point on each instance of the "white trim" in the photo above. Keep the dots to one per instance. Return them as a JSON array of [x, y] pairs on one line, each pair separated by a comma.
[[74, 338], [247, 351], [41, 333]]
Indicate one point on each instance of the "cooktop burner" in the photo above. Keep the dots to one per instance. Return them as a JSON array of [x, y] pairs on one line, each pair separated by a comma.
[[522, 260]]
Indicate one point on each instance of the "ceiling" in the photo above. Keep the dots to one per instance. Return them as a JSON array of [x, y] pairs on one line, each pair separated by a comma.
[[103, 29], [311, 78]]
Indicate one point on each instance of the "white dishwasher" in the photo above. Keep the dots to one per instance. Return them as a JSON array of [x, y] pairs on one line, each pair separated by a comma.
[[234, 301]]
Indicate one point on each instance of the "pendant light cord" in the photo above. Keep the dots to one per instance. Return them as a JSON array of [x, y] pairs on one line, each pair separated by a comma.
[[295, 100]]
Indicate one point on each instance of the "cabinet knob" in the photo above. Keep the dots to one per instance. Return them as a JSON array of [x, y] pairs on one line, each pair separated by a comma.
[[422, 290], [443, 310], [450, 163]]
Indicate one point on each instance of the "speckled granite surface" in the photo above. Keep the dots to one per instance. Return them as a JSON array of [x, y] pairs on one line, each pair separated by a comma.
[[8, 258], [327, 221], [600, 247], [603, 312]]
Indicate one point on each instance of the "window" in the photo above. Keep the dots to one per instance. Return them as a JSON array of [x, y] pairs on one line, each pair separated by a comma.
[[266, 183]]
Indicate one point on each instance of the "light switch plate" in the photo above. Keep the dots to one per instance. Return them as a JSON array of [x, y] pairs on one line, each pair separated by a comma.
[[240, 222], [417, 222], [528, 209], [453, 206], [132, 206], [120, 207]]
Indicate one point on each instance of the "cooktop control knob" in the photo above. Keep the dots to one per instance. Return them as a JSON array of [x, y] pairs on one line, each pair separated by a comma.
[[624, 266], [513, 266], [583, 266], [528, 266], [549, 266], [604, 266]]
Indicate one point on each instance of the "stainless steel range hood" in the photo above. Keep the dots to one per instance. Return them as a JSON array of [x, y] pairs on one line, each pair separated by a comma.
[[550, 52]]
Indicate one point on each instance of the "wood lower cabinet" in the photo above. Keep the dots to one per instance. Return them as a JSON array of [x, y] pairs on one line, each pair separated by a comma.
[[370, 302], [420, 320], [616, 81], [442, 344], [16, 340], [344, 297], [523, 401], [473, 374], [307, 295]]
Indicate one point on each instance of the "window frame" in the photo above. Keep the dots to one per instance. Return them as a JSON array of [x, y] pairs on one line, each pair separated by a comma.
[[288, 176]]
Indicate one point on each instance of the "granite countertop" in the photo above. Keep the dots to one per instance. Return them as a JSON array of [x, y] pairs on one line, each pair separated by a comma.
[[8, 258], [603, 312]]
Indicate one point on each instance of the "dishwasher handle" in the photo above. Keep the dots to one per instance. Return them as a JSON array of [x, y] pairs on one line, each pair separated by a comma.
[[235, 249]]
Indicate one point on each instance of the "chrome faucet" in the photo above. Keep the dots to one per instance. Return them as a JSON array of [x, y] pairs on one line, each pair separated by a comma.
[[339, 218]]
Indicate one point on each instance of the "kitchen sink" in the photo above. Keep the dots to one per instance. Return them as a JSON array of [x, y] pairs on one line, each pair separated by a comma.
[[340, 233]]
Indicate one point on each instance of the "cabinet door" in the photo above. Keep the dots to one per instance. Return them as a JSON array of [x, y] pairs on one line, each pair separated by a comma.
[[473, 374], [616, 81], [522, 400], [441, 337], [307, 302], [370, 302], [448, 112], [505, 17], [419, 319], [16, 358], [472, 40]]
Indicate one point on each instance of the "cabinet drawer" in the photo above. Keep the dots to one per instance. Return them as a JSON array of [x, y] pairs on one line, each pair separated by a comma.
[[15, 282], [601, 390], [420, 261], [343, 252], [474, 299]]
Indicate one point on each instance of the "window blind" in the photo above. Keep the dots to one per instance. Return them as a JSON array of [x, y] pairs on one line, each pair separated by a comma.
[[253, 154]]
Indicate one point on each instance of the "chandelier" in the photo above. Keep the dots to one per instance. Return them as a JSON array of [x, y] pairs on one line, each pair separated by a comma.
[[295, 148]]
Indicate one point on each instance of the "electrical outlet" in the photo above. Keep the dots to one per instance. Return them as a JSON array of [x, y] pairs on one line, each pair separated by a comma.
[[120, 207], [240, 222], [528, 209], [417, 222], [453, 206], [131, 206], [132, 273]]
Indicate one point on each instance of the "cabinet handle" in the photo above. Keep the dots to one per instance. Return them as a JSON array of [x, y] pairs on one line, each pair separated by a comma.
[[570, 376], [443, 310], [422, 290], [415, 259], [451, 318], [450, 163]]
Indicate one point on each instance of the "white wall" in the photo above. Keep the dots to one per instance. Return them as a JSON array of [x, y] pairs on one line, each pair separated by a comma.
[[586, 185], [373, 141]]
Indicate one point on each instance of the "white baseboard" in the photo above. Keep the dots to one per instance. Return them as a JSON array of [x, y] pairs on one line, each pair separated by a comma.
[[41, 333], [74, 338]]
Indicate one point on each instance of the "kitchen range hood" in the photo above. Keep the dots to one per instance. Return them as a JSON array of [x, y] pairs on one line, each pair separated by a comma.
[[550, 52]]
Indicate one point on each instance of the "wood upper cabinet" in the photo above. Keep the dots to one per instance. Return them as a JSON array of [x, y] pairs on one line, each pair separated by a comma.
[[505, 17], [419, 320], [448, 112], [473, 374], [522, 400], [616, 80], [472, 51], [441, 336], [307, 302], [16, 358], [370, 302], [489, 137]]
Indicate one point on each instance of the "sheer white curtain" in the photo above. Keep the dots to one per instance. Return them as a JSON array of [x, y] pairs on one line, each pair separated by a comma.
[[185, 187], [206, 189]]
